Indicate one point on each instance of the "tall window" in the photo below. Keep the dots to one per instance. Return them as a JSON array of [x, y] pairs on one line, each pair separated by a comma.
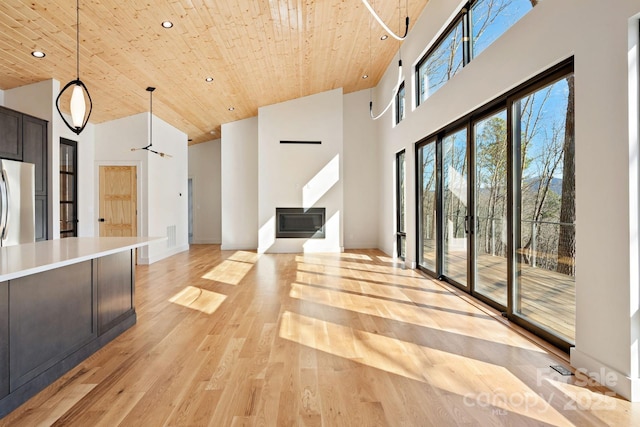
[[400, 103], [478, 25], [401, 233]]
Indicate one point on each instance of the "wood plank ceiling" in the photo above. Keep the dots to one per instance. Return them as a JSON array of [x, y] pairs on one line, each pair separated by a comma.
[[259, 52]]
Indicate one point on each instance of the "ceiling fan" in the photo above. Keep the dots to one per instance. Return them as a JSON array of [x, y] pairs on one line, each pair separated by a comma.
[[148, 147]]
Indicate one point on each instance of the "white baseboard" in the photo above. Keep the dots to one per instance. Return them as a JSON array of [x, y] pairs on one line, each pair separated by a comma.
[[625, 386], [206, 241], [237, 248], [167, 254]]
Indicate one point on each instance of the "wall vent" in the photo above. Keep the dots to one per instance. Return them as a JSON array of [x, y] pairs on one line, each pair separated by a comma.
[[171, 236], [300, 142]]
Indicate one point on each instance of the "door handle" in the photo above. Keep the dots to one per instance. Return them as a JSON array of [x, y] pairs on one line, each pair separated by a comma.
[[100, 219], [466, 224], [4, 215]]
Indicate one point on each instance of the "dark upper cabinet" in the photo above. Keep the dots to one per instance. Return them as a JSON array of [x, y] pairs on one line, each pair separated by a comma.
[[10, 134], [34, 146]]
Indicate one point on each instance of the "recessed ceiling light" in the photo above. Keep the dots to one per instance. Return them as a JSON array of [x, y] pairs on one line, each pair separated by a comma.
[[366, 76], [167, 24], [231, 108], [38, 54], [208, 79], [384, 37]]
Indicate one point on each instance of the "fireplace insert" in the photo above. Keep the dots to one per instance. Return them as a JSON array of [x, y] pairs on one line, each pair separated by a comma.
[[300, 223]]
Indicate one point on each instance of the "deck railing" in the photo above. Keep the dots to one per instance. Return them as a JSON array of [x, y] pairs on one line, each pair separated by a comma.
[[538, 246]]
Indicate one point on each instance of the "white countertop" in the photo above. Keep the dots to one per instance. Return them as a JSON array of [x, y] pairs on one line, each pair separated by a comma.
[[30, 258]]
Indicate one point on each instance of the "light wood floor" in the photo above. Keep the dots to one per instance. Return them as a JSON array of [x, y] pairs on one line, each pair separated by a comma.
[[230, 338]]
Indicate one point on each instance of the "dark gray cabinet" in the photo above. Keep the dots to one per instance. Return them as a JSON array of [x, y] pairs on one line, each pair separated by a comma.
[[34, 148], [10, 134], [24, 138], [116, 285], [53, 320], [52, 315]]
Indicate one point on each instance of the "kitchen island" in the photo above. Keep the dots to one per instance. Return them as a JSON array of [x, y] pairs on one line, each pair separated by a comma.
[[60, 301]]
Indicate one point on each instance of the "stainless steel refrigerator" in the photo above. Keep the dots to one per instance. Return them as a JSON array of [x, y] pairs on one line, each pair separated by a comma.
[[17, 202]]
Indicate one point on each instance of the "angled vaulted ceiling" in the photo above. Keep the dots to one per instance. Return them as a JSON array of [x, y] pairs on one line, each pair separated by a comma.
[[259, 52]]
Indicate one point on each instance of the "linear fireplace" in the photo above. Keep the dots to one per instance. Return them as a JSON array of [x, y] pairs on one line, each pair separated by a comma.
[[300, 222]]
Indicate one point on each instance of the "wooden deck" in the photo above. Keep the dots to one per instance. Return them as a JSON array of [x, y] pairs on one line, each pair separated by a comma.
[[547, 298]]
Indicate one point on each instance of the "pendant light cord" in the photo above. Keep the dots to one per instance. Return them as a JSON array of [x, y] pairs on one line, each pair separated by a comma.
[[78, 38], [399, 82], [150, 118]]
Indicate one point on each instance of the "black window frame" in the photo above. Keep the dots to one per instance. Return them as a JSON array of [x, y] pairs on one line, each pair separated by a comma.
[[456, 21], [401, 115], [463, 17], [401, 202]]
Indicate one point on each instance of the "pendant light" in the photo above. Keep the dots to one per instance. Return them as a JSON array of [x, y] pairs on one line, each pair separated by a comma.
[[383, 25], [399, 82], [395, 90], [78, 107], [148, 146]]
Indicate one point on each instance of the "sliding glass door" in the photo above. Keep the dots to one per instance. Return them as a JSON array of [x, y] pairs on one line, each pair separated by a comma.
[[427, 197], [496, 205], [545, 207], [456, 221], [490, 207]]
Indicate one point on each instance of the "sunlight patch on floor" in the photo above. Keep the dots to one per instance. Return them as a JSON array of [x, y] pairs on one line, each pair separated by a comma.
[[391, 278], [337, 263], [600, 401], [337, 256], [407, 312], [390, 260], [232, 270], [198, 299], [428, 365], [351, 286]]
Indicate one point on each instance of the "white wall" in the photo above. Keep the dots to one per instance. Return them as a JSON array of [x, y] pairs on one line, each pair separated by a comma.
[[605, 49], [168, 197], [38, 100], [239, 180], [301, 175], [205, 173], [2, 98], [361, 182], [162, 181]]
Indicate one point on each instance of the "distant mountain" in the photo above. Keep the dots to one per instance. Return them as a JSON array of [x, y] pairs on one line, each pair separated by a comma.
[[555, 185]]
